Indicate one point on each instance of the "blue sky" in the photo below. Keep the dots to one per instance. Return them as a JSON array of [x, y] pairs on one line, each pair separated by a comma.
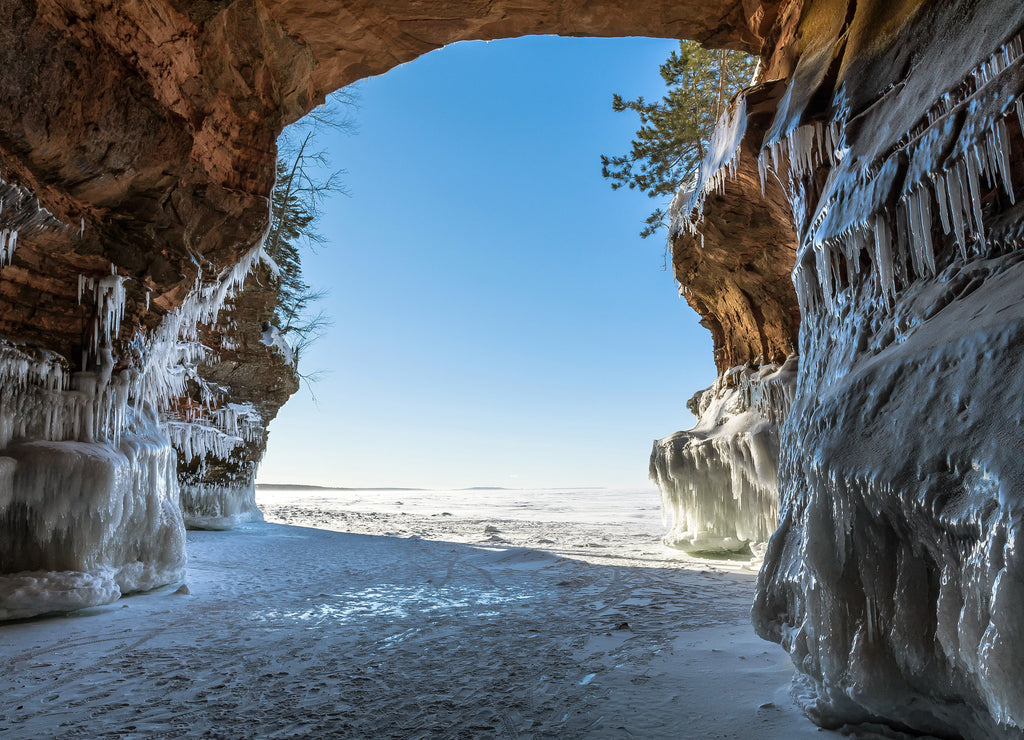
[[498, 321]]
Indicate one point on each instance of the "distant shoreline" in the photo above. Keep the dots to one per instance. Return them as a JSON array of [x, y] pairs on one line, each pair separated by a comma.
[[302, 487]]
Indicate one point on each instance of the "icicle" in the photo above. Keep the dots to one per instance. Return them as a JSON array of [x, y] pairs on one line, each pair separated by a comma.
[[972, 165], [1001, 142], [925, 249], [940, 199], [954, 185], [883, 257], [821, 260]]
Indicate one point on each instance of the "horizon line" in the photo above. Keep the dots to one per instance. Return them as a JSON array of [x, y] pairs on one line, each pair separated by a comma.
[[305, 486]]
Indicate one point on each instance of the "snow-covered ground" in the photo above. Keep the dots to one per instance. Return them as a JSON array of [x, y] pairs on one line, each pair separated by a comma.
[[409, 614]]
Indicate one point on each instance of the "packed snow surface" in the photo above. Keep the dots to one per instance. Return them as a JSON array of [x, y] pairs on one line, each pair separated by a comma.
[[489, 613]]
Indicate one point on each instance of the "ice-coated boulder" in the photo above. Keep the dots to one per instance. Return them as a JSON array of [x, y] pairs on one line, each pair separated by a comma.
[[84, 522]]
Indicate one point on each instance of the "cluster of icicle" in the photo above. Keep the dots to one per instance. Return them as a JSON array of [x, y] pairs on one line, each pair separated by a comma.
[[171, 354], [895, 580], [218, 432], [20, 213], [89, 492], [963, 143], [41, 400], [718, 480], [686, 213]]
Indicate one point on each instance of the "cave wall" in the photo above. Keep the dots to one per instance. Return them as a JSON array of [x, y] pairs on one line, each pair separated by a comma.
[[137, 155], [861, 204], [148, 128], [894, 579]]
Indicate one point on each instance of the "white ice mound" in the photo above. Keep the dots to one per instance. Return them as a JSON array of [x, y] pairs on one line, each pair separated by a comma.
[[207, 506], [85, 522], [718, 480]]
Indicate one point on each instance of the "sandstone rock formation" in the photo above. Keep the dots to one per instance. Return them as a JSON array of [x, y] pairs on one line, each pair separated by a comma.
[[136, 160], [881, 159]]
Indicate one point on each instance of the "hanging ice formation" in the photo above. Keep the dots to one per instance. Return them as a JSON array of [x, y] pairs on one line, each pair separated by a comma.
[[895, 576], [209, 438], [719, 491], [686, 213], [89, 492], [20, 213], [960, 147], [88, 489]]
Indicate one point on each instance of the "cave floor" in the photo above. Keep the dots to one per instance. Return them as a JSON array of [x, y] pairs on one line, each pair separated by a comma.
[[292, 631]]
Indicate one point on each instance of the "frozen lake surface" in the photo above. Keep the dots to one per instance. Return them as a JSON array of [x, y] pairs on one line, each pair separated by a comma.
[[415, 614]]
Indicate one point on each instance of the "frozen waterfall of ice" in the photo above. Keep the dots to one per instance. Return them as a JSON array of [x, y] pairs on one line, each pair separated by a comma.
[[718, 482]]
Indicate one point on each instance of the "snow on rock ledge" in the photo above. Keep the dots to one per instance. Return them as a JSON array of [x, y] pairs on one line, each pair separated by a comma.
[[718, 483]]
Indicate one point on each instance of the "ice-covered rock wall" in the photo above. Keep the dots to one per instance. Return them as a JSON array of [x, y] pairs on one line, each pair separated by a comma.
[[84, 522], [718, 480], [896, 577], [89, 477], [219, 426], [88, 484]]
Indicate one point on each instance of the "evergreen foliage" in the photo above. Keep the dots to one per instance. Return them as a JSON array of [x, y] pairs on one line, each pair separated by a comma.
[[300, 192], [674, 132]]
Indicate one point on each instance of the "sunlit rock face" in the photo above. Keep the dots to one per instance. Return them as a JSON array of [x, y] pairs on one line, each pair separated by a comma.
[[148, 129], [733, 241], [896, 577], [719, 480]]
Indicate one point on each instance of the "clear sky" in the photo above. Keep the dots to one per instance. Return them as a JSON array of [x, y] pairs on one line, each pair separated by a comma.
[[498, 321]]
